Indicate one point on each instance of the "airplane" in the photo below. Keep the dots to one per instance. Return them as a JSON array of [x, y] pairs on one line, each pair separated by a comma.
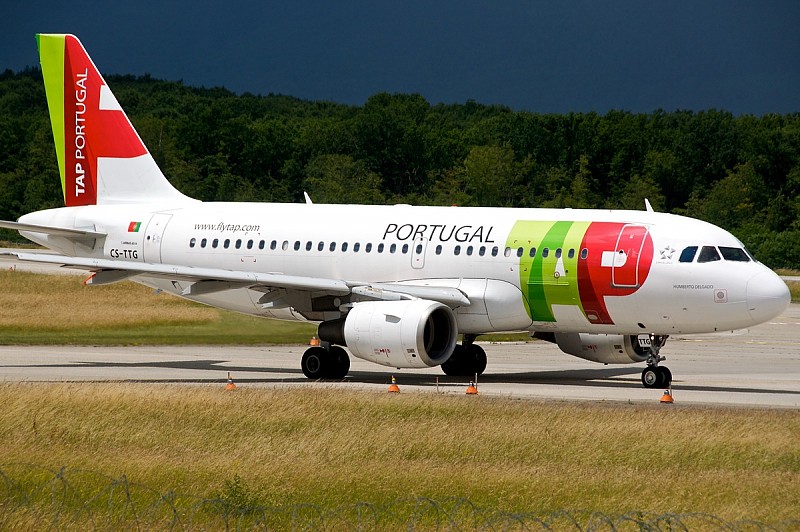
[[394, 284]]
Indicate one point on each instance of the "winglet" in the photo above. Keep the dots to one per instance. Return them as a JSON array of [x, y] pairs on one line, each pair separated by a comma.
[[101, 158]]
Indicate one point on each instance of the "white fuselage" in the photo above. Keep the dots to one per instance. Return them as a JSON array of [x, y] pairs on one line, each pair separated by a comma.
[[486, 253]]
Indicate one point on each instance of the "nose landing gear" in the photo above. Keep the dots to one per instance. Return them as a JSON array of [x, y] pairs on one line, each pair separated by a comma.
[[655, 376]]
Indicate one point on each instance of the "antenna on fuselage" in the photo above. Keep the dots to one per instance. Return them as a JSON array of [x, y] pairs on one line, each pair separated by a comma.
[[647, 205], [308, 198]]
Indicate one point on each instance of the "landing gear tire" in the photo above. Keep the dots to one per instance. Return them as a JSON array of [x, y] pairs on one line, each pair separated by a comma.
[[340, 363], [466, 361], [320, 363], [656, 377], [314, 364]]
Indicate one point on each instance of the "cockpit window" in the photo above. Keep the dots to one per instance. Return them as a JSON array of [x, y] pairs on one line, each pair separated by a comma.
[[687, 255], [734, 254], [708, 254]]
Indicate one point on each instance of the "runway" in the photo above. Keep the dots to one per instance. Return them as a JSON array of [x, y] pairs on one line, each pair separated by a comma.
[[757, 367]]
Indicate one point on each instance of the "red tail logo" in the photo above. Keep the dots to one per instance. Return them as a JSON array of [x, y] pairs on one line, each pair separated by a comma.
[[95, 126]]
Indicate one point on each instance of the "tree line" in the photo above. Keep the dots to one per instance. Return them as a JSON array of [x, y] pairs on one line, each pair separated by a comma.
[[739, 172]]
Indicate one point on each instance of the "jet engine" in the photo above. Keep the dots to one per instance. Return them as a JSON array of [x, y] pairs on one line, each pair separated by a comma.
[[605, 348], [402, 334]]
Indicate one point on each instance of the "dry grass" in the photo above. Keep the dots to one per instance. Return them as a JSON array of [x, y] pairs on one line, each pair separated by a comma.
[[59, 302], [327, 447], [59, 309]]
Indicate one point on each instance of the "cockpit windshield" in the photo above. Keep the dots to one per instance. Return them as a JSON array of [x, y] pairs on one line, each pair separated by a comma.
[[713, 253], [734, 254]]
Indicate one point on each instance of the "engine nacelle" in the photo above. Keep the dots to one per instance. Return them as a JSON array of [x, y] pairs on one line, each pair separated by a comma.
[[605, 348], [402, 334]]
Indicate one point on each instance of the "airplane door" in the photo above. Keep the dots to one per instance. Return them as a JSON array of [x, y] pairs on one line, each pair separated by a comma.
[[418, 253], [153, 235], [627, 252]]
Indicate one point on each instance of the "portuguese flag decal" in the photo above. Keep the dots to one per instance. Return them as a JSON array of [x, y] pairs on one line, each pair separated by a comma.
[[134, 227]]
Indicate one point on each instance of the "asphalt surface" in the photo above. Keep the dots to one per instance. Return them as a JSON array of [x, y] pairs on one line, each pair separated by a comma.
[[756, 367]]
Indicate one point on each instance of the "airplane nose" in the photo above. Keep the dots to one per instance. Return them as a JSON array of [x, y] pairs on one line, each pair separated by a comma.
[[767, 296]]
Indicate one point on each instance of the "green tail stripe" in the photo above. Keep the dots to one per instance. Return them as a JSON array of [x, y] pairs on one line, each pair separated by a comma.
[[51, 56]]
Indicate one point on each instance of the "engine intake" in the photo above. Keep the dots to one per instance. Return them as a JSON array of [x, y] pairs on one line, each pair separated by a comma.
[[402, 334]]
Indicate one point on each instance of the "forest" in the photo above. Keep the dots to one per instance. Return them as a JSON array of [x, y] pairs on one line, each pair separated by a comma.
[[739, 172]]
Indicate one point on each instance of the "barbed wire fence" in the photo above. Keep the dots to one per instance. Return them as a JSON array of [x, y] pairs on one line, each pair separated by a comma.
[[36, 497]]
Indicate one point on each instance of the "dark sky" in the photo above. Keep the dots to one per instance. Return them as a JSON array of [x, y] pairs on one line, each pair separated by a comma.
[[542, 56]]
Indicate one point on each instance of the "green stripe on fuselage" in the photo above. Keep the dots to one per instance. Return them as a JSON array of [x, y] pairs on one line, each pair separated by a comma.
[[549, 280]]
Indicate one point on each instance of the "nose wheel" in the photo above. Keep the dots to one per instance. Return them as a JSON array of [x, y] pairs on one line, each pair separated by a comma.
[[655, 376]]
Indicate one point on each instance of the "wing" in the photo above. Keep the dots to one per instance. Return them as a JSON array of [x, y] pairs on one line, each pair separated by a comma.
[[210, 280]]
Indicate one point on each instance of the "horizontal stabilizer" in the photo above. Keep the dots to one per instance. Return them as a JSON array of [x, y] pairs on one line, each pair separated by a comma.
[[74, 234]]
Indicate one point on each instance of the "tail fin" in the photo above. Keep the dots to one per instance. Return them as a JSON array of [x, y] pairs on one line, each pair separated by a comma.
[[101, 158]]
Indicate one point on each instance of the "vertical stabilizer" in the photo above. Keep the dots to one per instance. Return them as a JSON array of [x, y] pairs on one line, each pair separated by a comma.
[[101, 158]]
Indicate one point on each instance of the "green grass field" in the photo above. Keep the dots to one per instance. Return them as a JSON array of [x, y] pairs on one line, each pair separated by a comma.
[[328, 448]]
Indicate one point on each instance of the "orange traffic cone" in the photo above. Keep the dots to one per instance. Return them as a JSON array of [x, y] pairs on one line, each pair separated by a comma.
[[667, 397], [472, 389], [393, 387], [230, 386]]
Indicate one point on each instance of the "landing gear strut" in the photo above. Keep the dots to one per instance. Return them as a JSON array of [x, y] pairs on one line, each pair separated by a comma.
[[655, 376], [325, 362], [467, 360]]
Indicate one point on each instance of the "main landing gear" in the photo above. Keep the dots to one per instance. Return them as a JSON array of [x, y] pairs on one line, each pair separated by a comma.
[[467, 359], [325, 362], [655, 376]]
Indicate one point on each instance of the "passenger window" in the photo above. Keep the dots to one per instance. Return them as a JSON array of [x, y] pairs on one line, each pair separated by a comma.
[[708, 254], [238, 243], [332, 246], [356, 247], [584, 253], [321, 246], [457, 250], [439, 249], [532, 252], [192, 242], [308, 245], [273, 245], [507, 252], [215, 243], [203, 243], [227, 243], [495, 251], [392, 248], [545, 253], [520, 251], [261, 244], [285, 246], [419, 249], [482, 251], [687, 255], [249, 244], [405, 249], [734, 254], [380, 248], [558, 253], [297, 245], [368, 248], [344, 246], [469, 251], [571, 254]]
